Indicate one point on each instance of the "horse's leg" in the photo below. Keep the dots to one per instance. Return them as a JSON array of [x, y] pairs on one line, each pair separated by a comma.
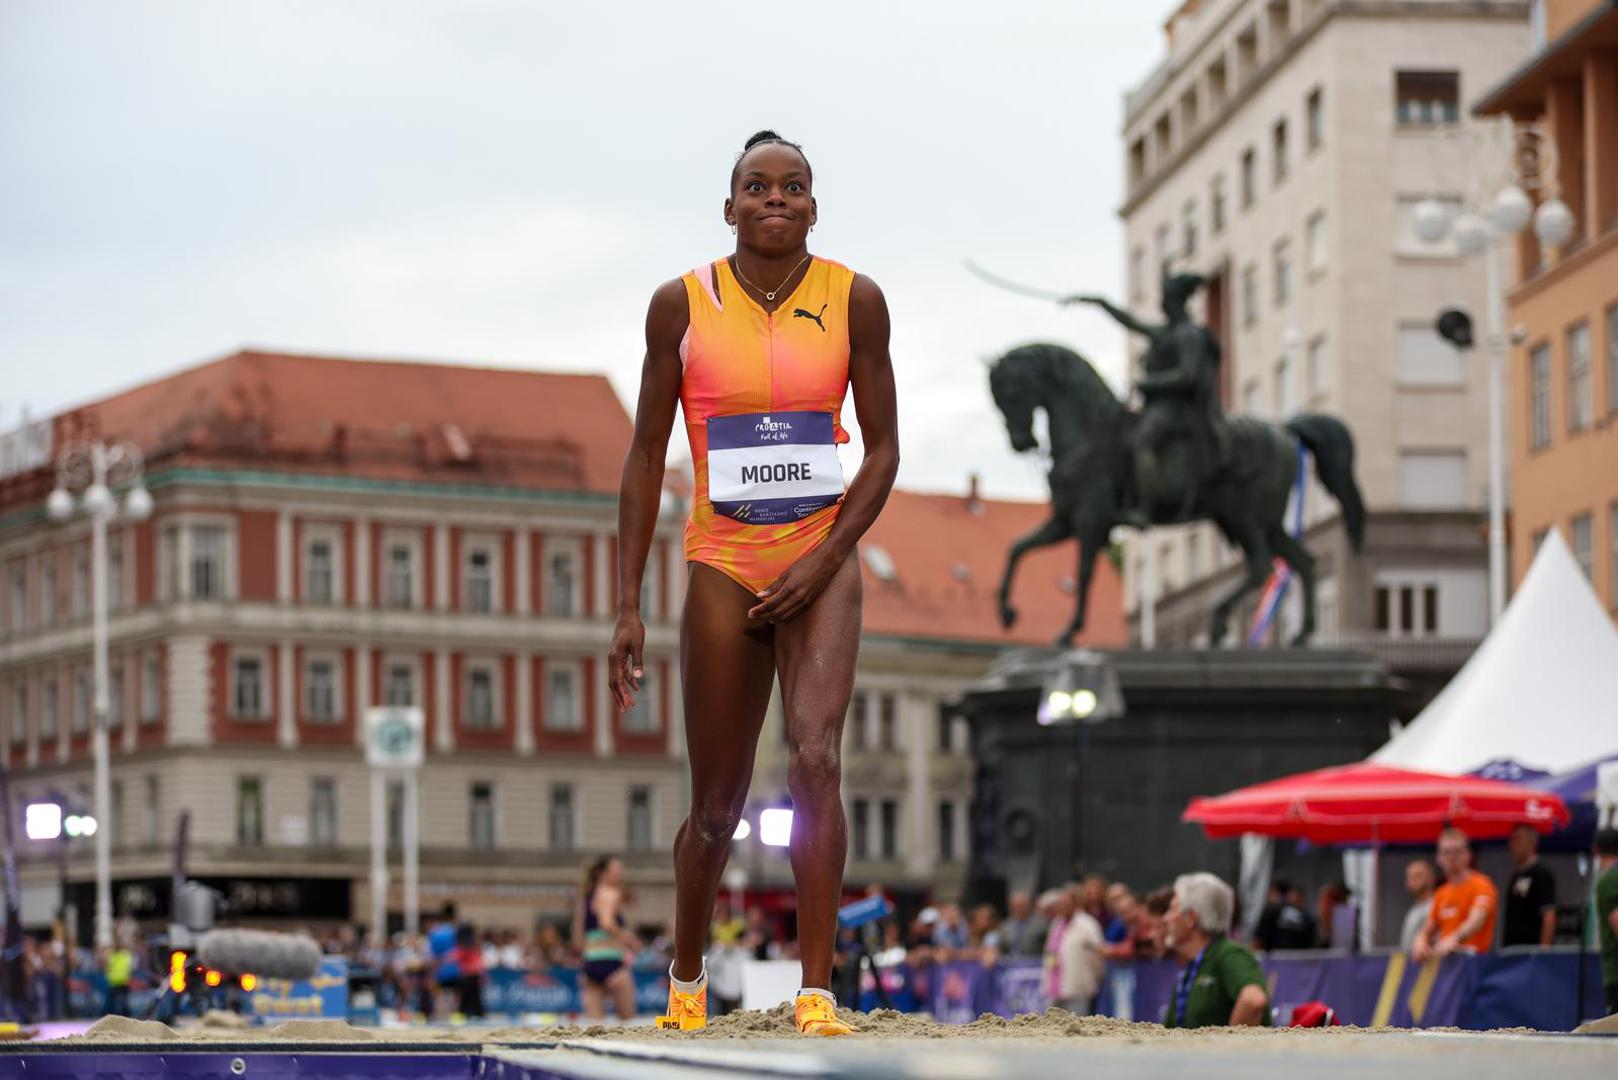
[[1053, 531], [1092, 541], [1303, 563], [1257, 555]]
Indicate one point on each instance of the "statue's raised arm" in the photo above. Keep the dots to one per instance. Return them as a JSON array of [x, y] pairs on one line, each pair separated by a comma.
[[1119, 315]]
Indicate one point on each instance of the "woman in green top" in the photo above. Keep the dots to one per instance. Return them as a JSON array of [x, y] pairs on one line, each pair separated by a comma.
[[598, 924]]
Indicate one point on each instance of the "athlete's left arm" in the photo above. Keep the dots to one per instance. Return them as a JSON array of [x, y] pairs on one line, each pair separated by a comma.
[[870, 370]]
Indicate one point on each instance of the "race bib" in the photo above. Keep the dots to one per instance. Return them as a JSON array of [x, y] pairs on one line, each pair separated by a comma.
[[769, 468]]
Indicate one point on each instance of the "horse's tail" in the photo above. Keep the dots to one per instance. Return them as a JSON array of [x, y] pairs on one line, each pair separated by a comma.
[[1330, 442]]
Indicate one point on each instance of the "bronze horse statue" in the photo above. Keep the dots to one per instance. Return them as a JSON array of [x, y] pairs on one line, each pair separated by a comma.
[[1093, 479]]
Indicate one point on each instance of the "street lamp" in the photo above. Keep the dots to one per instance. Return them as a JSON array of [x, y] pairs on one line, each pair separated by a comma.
[[1499, 162], [85, 476]]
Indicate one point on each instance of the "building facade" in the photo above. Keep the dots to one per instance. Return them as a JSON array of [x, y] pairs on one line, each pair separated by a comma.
[[1279, 150], [931, 568], [330, 535], [1564, 308]]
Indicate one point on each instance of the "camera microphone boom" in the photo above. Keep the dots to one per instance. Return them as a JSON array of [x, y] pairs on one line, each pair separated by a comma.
[[263, 953]]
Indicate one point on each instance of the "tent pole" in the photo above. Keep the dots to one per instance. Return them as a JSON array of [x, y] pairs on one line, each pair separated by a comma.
[[1374, 901]]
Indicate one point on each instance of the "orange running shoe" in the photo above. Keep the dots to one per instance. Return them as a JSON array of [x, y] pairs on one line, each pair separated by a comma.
[[687, 1012], [817, 1015]]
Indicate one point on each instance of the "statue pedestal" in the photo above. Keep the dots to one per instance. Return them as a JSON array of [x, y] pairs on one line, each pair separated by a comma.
[[1053, 802]]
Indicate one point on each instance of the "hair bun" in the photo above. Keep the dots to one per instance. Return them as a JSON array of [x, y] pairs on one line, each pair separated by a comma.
[[759, 137]]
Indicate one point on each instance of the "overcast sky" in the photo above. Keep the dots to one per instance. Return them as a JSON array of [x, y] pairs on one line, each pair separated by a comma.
[[506, 183]]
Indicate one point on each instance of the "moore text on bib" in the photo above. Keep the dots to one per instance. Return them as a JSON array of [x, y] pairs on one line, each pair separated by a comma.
[[769, 468]]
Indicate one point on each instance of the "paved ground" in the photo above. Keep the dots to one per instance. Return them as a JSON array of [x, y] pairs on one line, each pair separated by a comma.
[[1225, 1056]]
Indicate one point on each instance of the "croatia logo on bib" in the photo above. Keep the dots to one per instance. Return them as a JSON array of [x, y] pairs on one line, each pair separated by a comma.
[[769, 468]]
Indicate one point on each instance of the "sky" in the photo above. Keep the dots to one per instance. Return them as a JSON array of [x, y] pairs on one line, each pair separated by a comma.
[[506, 183]]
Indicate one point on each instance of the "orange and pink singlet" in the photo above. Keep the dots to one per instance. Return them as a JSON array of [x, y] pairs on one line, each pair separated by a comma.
[[763, 395]]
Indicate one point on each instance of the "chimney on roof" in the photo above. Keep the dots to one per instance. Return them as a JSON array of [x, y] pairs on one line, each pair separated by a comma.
[[974, 502]]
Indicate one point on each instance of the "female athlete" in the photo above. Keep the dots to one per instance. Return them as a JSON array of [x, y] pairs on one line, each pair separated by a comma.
[[759, 350], [599, 931]]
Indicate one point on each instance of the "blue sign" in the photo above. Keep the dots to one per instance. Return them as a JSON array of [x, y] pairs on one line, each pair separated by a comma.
[[323, 997]]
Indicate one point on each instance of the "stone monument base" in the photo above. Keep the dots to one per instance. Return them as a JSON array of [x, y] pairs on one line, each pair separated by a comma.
[[1053, 802]]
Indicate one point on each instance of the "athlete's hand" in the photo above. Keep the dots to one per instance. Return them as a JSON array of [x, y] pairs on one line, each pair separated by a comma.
[[624, 659], [790, 595]]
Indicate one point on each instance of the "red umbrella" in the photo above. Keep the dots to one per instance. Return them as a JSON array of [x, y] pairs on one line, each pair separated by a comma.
[[1366, 803]]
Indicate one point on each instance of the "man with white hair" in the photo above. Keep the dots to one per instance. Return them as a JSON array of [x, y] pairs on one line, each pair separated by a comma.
[[1222, 983]]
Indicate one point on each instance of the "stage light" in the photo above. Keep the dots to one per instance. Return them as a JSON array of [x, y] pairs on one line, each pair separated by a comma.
[[249, 982], [43, 820], [775, 827], [743, 830], [213, 978]]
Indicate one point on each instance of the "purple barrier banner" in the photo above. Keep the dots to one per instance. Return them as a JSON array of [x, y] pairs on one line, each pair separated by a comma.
[[1536, 989], [962, 991]]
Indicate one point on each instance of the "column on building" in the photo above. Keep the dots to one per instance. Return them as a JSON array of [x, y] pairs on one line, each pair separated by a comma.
[[285, 588], [522, 710], [445, 740], [522, 572], [286, 712], [441, 572], [361, 556], [921, 853], [366, 660]]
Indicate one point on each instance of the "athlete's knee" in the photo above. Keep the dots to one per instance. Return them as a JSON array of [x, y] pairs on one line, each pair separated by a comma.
[[713, 821], [814, 763]]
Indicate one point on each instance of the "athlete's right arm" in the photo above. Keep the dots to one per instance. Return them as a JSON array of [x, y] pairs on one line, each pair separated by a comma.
[[641, 486]]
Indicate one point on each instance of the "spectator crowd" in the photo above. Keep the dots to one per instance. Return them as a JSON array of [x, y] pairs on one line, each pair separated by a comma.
[[1079, 932]]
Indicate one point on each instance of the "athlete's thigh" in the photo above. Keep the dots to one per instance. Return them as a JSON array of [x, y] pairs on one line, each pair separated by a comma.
[[726, 671], [815, 654]]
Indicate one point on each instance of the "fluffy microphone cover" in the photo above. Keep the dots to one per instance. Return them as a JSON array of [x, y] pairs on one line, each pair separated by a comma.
[[264, 953]]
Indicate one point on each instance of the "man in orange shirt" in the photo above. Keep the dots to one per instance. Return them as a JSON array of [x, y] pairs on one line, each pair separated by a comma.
[[1464, 907]]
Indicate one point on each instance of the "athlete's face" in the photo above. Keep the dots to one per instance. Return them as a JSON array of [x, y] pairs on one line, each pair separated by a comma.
[[770, 204]]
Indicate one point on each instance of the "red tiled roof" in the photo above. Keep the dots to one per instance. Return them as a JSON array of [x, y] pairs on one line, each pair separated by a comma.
[[947, 561], [509, 427], [378, 418]]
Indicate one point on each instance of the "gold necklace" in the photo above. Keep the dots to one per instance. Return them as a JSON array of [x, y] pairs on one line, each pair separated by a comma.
[[768, 296]]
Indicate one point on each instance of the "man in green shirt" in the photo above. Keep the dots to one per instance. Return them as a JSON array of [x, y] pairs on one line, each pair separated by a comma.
[[1607, 912], [1222, 983]]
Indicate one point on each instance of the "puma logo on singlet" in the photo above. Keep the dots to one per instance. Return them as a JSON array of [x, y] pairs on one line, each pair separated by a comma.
[[800, 313]]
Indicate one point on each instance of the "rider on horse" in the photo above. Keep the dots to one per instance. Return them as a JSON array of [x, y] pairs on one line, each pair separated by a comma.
[[1180, 393]]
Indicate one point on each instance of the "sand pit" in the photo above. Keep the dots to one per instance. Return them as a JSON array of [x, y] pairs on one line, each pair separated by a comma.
[[755, 1025], [124, 1029]]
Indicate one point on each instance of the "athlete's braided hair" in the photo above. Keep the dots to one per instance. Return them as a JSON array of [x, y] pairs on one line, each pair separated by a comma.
[[759, 138]]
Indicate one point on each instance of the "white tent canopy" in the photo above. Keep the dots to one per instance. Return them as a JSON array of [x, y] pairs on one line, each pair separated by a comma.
[[1541, 690]]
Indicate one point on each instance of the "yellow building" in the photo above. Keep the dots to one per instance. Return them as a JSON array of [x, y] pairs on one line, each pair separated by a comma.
[[1564, 307]]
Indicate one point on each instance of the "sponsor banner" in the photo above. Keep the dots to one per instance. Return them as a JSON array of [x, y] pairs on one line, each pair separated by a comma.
[[769, 468], [323, 997], [556, 990]]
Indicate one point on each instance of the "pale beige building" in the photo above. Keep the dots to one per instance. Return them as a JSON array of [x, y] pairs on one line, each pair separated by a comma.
[[1279, 149]]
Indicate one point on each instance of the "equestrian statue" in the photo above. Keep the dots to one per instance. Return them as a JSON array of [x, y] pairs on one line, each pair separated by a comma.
[[1178, 459]]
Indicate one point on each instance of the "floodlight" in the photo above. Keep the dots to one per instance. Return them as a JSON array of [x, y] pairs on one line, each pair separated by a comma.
[[775, 827], [43, 820]]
